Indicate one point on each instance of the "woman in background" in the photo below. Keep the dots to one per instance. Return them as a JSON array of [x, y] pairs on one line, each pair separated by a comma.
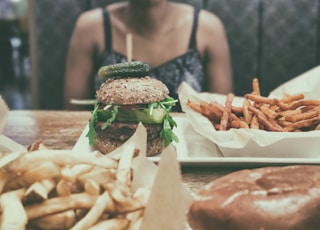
[[178, 41]]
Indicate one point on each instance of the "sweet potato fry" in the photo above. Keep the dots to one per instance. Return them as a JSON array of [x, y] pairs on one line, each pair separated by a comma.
[[297, 104], [254, 123], [292, 113], [216, 109], [261, 99], [268, 112], [293, 98], [237, 110], [302, 124], [194, 106], [226, 113], [237, 124], [247, 115], [255, 87], [205, 110], [269, 124], [302, 116]]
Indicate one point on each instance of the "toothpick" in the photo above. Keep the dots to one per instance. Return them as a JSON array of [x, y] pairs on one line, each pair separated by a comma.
[[129, 47]]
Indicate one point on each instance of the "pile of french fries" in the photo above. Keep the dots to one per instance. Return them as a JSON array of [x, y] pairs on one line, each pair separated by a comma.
[[293, 113], [58, 189]]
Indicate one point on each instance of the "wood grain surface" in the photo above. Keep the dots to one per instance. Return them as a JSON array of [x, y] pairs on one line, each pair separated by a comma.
[[61, 130]]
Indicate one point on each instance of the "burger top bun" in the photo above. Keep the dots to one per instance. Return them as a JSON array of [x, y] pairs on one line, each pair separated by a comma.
[[131, 91], [265, 198]]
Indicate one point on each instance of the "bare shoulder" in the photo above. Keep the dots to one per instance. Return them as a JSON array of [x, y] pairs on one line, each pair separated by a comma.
[[89, 18], [210, 23]]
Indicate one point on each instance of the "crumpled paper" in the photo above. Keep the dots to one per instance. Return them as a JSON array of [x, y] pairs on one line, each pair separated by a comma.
[[6, 144], [4, 110], [258, 143], [169, 198]]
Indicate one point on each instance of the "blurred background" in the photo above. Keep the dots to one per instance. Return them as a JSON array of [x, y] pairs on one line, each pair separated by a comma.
[[15, 71], [273, 40]]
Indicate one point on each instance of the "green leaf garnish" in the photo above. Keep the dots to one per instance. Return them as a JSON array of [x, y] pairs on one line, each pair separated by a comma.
[[109, 121], [166, 133], [94, 119]]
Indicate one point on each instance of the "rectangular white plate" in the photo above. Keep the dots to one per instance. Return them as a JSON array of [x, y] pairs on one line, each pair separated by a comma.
[[195, 150]]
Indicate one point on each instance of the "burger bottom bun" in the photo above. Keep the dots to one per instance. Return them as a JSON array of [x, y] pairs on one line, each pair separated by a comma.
[[118, 133], [265, 198]]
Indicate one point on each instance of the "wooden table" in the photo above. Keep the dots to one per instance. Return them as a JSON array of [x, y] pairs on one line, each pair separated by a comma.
[[61, 130]]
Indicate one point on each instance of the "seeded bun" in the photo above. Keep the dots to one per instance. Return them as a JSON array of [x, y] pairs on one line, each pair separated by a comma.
[[131, 91]]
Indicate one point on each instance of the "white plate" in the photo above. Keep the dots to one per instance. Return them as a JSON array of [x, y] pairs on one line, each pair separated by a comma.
[[196, 150]]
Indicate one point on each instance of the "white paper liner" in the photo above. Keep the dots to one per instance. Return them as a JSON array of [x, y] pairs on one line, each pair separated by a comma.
[[4, 110], [6, 144], [258, 143]]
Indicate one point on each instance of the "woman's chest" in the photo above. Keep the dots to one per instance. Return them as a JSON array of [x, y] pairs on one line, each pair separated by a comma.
[[153, 49]]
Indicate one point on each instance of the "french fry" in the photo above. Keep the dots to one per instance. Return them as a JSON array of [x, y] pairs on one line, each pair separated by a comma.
[[123, 174], [46, 170], [92, 187], [39, 191], [12, 210], [62, 188], [61, 220], [60, 204], [60, 158], [95, 212], [3, 179], [112, 224], [61, 191], [72, 173], [124, 203]]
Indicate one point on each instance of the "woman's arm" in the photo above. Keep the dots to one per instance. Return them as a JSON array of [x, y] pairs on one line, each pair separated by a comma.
[[80, 58], [213, 46]]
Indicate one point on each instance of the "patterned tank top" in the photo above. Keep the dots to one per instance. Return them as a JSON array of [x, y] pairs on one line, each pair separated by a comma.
[[184, 68]]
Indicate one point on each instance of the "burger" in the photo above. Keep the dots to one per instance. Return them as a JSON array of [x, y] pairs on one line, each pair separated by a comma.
[[127, 97]]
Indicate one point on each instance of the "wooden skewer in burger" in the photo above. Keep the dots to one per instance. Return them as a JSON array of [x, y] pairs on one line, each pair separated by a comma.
[[127, 97]]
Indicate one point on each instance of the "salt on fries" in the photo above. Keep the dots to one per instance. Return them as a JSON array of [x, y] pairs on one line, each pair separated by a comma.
[[293, 113], [53, 189]]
